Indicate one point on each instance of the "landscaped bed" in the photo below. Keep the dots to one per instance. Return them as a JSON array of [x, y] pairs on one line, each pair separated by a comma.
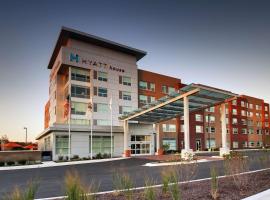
[[227, 189]]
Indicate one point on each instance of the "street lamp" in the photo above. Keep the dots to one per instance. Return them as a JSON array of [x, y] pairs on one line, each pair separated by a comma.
[[25, 128]]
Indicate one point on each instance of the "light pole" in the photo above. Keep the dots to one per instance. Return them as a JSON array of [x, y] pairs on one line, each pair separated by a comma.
[[25, 128]]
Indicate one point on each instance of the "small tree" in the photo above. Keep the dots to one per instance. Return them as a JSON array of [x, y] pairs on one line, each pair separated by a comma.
[[214, 183]]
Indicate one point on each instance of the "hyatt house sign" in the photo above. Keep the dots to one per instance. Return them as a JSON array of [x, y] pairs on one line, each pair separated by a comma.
[[78, 59]]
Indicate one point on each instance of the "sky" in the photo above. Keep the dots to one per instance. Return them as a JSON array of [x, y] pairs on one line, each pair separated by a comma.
[[224, 44]]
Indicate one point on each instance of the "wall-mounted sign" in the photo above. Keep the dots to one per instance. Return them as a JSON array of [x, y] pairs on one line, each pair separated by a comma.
[[76, 58]]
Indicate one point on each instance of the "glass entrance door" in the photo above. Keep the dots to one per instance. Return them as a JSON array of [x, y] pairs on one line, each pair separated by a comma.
[[140, 144], [198, 145]]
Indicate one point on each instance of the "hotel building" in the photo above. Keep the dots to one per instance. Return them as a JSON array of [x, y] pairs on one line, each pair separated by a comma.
[[86, 69]]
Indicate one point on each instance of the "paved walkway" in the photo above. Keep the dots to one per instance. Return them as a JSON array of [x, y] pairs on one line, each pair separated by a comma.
[[57, 164]]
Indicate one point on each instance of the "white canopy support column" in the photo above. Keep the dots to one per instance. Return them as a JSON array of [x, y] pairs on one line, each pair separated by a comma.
[[127, 151], [186, 153], [224, 149], [159, 150]]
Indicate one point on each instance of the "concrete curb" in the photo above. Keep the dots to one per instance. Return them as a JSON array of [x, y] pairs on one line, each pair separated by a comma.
[[54, 164]]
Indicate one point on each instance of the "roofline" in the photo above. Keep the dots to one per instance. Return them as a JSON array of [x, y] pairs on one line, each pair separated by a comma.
[[66, 33], [178, 79]]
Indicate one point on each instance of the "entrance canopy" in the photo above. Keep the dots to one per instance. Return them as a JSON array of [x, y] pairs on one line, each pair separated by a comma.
[[171, 106]]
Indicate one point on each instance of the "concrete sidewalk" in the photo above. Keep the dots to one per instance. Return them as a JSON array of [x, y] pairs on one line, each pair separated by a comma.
[[55, 164]]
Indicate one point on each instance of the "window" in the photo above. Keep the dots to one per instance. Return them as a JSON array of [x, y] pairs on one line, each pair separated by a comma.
[[243, 121], [80, 91], [80, 75], [152, 87], [243, 104], [199, 129], [250, 114], [143, 85], [78, 108], [212, 130], [251, 144], [243, 113], [235, 130], [80, 121], [259, 131], [102, 76], [250, 131], [212, 118], [266, 116], [101, 107], [244, 131], [245, 144], [101, 144], [125, 80], [198, 118], [258, 107], [143, 99], [211, 109], [235, 145], [169, 127], [125, 95], [266, 124], [265, 108], [61, 145], [234, 120], [171, 90], [212, 143], [152, 99], [102, 92], [124, 109], [234, 111], [47, 144], [234, 102], [164, 89], [251, 106], [102, 122], [170, 142], [182, 128]]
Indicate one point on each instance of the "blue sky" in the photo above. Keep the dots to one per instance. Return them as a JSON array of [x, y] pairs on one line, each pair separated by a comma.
[[219, 43]]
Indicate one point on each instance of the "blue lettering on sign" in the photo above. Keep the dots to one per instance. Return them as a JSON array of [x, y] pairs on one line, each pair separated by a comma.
[[73, 57]]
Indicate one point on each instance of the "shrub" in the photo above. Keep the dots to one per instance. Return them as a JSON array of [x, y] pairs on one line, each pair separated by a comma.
[[234, 164], [174, 187], [106, 155], [26, 194], [214, 183], [149, 192], [122, 181], [73, 187], [10, 163], [166, 148], [75, 157], [60, 158], [22, 162], [2, 164], [165, 177], [99, 156]]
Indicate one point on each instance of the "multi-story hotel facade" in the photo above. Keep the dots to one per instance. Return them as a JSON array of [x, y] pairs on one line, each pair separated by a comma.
[[88, 70]]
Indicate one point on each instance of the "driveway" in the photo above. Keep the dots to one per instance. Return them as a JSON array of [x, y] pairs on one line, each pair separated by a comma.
[[52, 179]]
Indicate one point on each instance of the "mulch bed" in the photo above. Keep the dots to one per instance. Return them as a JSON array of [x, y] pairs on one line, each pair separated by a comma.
[[258, 182]]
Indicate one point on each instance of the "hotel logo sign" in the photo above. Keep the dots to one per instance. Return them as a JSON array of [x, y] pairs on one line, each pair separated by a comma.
[[76, 58]]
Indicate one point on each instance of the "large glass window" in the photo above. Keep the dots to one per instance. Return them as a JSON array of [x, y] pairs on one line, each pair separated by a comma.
[[170, 142], [101, 107], [80, 75], [126, 95], [124, 109], [80, 121], [102, 122], [102, 92], [126, 80], [169, 127], [171, 90], [102, 76], [212, 143], [143, 85], [78, 108], [80, 91], [61, 145], [101, 144], [143, 99]]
